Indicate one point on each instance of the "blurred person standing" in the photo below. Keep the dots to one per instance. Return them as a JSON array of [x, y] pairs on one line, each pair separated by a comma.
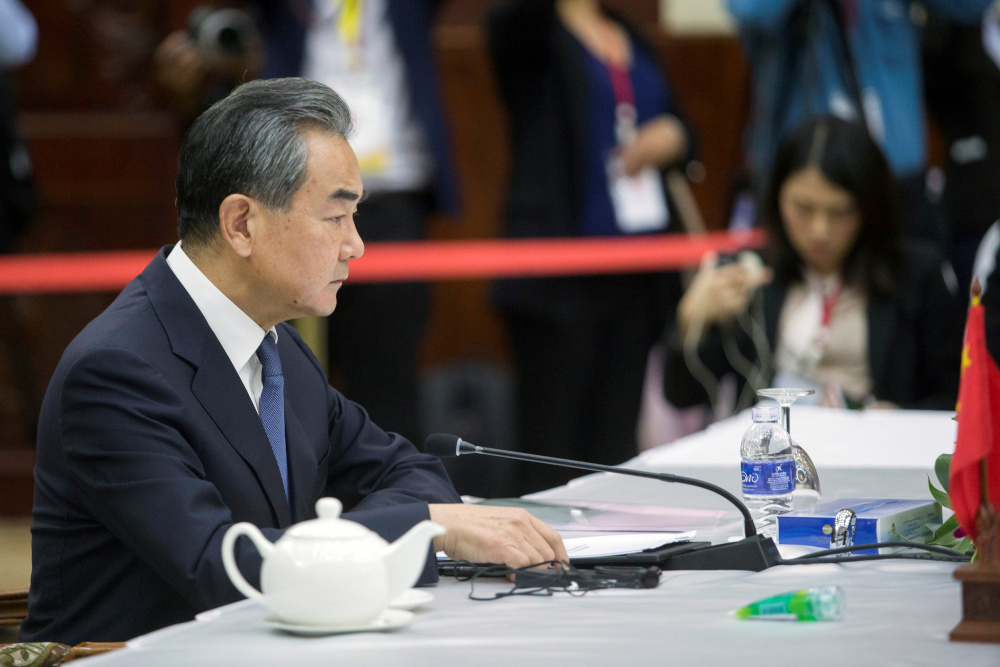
[[593, 123], [378, 55], [18, 42], [847, 306], [962, 83], [859, 60]]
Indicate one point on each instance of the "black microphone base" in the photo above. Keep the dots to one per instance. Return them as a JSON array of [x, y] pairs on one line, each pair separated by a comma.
[[752, 553]]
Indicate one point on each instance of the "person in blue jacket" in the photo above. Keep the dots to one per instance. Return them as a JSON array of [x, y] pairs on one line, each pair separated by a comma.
[[859, 60]]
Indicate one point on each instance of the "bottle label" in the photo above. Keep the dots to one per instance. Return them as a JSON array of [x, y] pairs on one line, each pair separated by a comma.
[[768, 478]]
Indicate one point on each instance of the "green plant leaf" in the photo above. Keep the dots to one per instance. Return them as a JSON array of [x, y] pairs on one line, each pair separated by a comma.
[[940, 496], [941, 467], [947, 530], [902, 538], [945, 539], [965, 546]]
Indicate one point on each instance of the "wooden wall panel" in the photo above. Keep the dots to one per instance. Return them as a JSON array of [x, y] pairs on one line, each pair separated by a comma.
[[712, 85]]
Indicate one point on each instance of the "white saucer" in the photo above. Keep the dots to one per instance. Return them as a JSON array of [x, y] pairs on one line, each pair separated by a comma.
[[390, 619], [411, 599]]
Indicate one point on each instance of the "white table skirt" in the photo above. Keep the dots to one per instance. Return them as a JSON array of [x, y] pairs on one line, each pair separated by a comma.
[[897, 612]]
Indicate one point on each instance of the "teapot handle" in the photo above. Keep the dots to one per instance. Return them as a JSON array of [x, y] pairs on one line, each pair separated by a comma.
[[229, 559]]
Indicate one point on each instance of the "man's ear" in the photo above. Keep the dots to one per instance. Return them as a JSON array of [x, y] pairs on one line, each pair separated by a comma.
[[237, 222]]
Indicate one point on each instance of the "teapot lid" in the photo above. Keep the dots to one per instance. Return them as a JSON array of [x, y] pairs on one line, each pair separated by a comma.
[[329, 524]]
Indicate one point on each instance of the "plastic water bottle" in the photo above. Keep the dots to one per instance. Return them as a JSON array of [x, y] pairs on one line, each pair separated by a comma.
[[768, 469]]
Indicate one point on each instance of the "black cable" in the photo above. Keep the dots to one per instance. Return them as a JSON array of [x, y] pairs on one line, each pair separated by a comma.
[[949, 555], [883, 545], [858, 559], [562, 577]]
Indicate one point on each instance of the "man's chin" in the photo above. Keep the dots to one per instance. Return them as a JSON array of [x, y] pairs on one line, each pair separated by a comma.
[[318, 310]]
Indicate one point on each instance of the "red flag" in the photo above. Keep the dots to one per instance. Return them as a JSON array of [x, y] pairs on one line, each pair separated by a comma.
[[978, 424]]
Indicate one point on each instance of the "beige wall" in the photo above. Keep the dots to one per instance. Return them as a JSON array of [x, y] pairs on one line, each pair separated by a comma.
[[695, 16]]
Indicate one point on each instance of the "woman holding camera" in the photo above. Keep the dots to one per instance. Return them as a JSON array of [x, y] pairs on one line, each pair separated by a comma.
[[843, 306]]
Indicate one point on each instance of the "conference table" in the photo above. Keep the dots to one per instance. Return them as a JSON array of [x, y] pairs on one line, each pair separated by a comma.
[[898, 612]]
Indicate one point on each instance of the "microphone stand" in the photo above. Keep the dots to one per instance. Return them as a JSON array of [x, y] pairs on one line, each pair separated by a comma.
[[754, 552]]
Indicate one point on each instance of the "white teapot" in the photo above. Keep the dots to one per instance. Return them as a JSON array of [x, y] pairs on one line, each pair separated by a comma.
[[330, 571]]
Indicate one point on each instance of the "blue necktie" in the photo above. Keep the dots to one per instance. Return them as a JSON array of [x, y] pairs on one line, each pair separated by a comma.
[[272, 404]]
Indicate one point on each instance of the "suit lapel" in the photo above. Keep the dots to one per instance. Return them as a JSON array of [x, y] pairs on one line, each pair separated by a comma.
[[301, 466], [774, 299], [216, 384], [220, 391]]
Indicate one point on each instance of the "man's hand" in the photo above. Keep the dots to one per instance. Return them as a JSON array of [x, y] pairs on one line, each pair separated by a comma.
[[505, 535]]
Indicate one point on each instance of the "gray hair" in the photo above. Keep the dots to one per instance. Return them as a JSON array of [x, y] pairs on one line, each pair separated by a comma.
[[251, 143]]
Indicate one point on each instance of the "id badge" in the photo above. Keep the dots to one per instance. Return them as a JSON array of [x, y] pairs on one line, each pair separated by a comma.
[[638, 201]]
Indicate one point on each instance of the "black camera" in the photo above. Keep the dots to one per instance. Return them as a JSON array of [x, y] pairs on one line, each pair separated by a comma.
[[227, 33]]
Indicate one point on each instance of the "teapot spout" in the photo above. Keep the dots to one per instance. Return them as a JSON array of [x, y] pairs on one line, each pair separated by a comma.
[[404, 559]]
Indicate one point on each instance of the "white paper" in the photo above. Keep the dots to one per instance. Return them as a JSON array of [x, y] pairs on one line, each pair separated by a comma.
[[617, 545]]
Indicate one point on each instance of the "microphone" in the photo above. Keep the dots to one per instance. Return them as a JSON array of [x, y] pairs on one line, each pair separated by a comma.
[[754, 552]]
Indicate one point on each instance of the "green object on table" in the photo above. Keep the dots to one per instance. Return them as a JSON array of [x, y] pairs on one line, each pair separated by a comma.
[[33, 654], [809, 604]]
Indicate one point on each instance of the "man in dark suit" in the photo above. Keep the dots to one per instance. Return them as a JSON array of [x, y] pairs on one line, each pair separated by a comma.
[[188, 405]]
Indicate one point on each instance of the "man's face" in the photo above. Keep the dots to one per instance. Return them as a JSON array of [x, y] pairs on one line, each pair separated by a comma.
[[300, 257]]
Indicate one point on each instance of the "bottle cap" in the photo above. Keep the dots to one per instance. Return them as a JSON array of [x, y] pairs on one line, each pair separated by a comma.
[[764, 413]]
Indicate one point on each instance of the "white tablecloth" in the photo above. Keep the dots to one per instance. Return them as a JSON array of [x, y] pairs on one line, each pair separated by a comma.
[[897, 612]]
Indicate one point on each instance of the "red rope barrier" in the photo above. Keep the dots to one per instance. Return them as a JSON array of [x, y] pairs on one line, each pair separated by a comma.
[[397, 262]]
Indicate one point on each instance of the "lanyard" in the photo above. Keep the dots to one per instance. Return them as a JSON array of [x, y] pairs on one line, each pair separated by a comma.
[[826, 315], [349, 20], [829, 303], [621, 86]]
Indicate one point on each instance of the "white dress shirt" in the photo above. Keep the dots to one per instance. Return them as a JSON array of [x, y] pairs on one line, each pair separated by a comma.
[[239, 335], [840, 362]]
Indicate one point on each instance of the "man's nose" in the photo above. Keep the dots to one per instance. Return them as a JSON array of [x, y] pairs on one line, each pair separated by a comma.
[[353, 247]]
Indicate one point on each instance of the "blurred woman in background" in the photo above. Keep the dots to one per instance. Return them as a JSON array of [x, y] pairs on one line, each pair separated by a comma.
[[593, 125], [843, 307]]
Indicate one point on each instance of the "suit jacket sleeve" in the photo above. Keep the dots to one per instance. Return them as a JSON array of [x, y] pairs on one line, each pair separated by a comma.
[[681, 387], [384, 482], [137, 472], [382, 478]]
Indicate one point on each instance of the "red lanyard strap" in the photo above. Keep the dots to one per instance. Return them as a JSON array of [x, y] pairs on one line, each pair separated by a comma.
[[621, 85], [829, 303]]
